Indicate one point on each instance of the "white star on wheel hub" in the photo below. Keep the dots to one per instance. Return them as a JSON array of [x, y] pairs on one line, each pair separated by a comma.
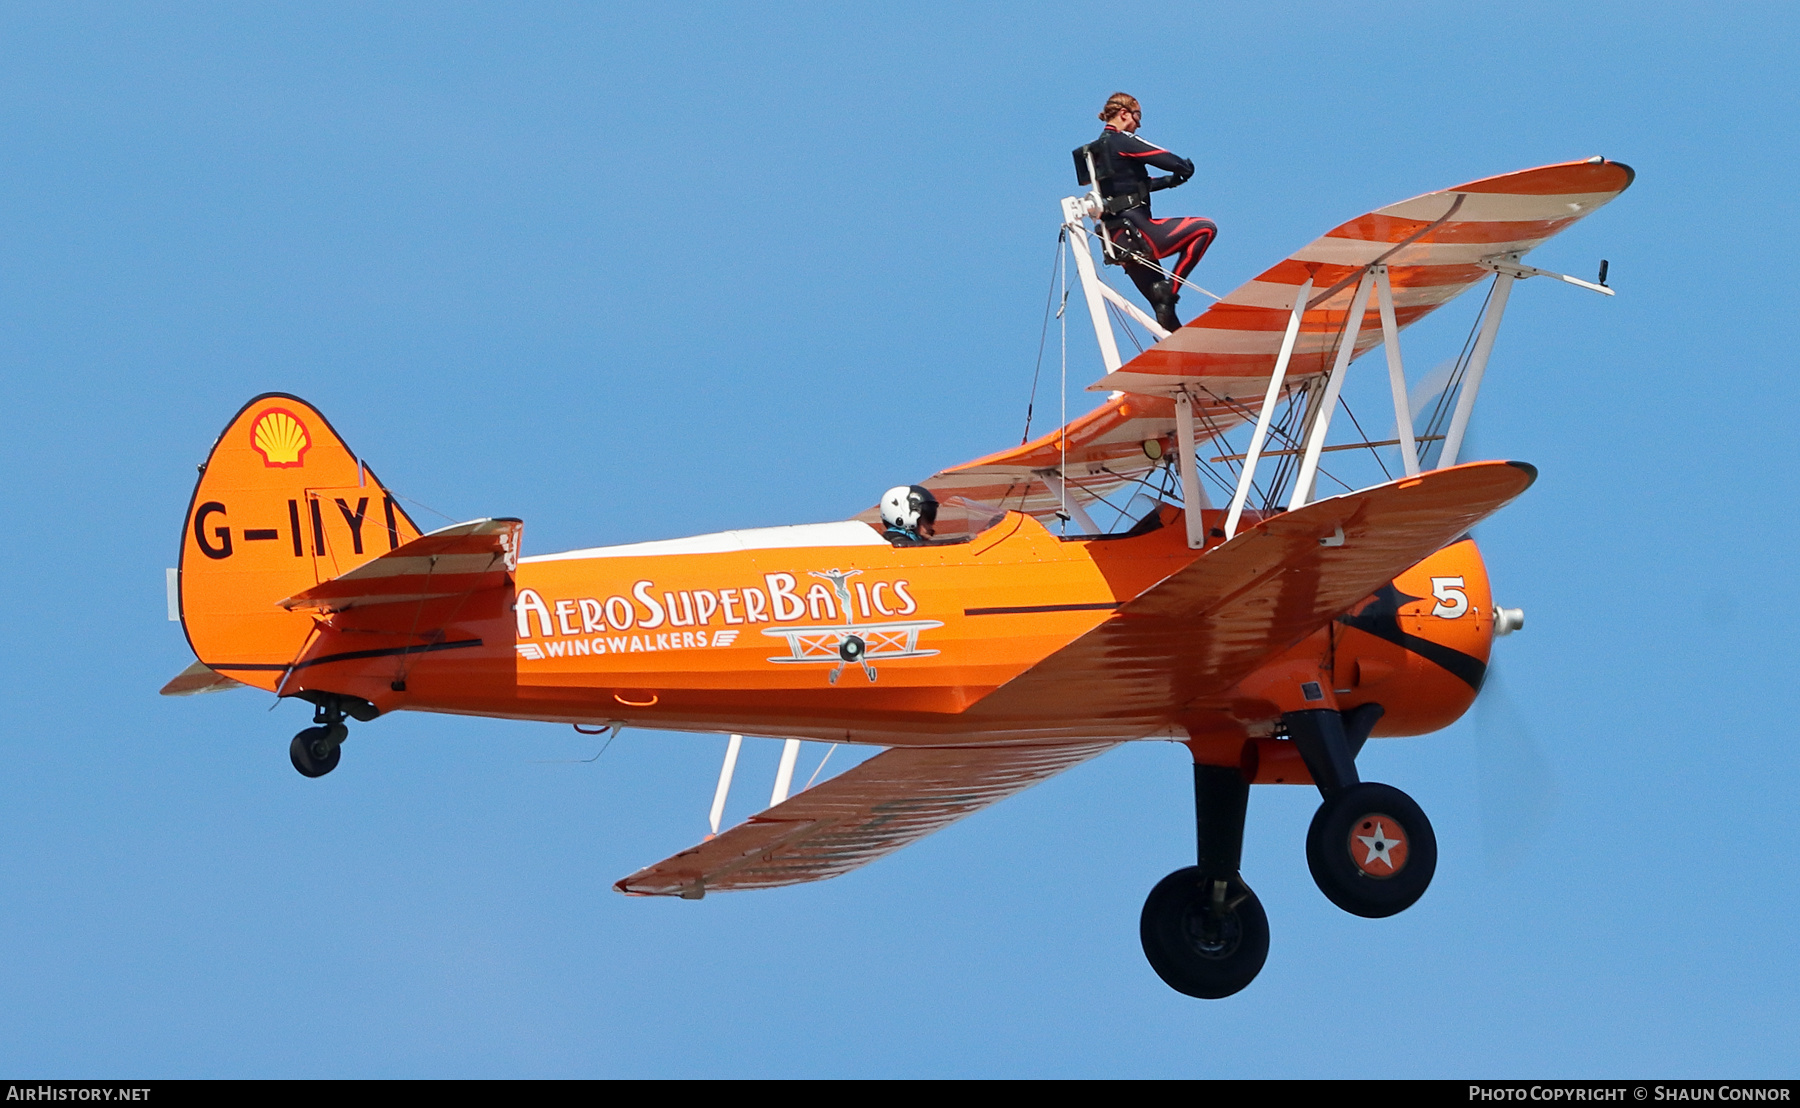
[[1378, 845]]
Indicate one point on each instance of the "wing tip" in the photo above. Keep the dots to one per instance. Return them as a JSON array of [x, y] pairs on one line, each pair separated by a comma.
[[1630, 173], [693, 890], [1530, 471]]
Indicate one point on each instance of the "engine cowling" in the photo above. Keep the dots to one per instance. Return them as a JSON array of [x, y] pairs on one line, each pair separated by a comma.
[[1420, 645]]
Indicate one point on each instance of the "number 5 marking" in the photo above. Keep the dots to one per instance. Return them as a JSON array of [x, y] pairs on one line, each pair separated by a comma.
[[1451, 600]]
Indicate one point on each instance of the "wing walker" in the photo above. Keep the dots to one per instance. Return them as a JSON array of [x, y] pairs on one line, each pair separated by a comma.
[[1076, 592]]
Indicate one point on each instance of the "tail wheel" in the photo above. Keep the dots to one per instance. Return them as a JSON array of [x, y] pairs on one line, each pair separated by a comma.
[[1371, 850], [316, 750], [1205, 938]]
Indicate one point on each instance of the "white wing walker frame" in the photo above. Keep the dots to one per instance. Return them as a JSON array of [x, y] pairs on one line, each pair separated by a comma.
[[1080, 220]]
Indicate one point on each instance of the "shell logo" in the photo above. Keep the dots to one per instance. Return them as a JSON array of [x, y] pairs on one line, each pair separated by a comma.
[[281, 439]]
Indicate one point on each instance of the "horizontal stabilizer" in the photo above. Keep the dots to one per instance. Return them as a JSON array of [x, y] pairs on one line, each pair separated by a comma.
[[196, 679], [895, 798], [451, 561]]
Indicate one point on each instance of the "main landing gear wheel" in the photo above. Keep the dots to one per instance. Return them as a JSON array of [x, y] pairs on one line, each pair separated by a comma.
[[1205, 938], [1371, 850], [315, 751]]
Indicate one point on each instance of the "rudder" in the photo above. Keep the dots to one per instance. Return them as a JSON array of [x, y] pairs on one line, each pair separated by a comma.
[[281, 505]]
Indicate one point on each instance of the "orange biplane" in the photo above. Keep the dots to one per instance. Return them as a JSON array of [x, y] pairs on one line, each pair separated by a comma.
[[1273, 635]]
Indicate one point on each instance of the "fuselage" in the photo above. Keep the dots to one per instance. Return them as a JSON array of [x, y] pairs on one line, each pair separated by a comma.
[[829, 632]]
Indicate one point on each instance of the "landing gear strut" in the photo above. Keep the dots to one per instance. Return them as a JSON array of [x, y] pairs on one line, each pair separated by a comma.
[[1370, 848], [1204, 932], [316, 750]]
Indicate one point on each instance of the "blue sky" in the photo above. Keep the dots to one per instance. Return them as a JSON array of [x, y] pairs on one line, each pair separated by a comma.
[[635, 272]]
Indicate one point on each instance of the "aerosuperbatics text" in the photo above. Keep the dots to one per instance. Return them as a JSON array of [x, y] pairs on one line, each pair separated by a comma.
[[648, 619]]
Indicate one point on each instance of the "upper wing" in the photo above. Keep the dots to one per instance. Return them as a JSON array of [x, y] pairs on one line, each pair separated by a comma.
[[447, 562], [1433, 246], [1208, 625], [895, 798]]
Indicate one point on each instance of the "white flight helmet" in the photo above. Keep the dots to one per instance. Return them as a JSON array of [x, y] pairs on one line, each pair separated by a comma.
[[909, 508]]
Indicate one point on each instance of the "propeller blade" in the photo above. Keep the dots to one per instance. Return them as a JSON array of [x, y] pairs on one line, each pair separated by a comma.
[[1424, 400], [1517, 787], [1425, 393]]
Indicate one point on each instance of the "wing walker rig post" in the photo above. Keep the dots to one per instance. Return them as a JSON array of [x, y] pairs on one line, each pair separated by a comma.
[[1274, 637]]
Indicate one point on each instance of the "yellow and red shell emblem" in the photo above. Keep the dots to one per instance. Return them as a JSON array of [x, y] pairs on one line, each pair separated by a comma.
[[280, 437]]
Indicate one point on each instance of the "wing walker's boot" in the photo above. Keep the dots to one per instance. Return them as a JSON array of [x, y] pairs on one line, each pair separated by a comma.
[[1163, 298]]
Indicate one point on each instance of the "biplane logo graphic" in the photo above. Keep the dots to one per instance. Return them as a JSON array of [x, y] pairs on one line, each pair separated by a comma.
[[852, 643], [281, 439]]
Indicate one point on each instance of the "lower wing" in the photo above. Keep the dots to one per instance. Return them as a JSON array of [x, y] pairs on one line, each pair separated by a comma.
[[893, 799], [1209, 625]]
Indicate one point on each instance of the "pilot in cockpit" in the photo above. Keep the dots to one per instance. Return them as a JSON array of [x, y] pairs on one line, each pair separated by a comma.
[[909, 515]]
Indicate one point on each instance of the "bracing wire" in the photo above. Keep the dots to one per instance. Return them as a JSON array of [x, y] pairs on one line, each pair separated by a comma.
[[1124, 324], [427, 507], [1365, 437], [1217, 437], [1044, 333], [1150, 263], [1226, 487], [1159, 491], [1299, 400], [1062, 467], [1279, 433], [1441, 410], [1311, 396], [817, 770]]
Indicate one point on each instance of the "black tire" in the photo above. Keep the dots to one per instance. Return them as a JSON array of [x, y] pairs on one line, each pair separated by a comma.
[[1193, 951], [316, 750], [1371, 850]]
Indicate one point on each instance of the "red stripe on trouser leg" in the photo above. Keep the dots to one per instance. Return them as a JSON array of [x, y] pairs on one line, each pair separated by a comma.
[[1189, 236]]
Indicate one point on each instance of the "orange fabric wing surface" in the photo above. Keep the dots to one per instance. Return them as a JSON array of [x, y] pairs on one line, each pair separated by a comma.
[[1208, 625], [893, 799], [1433, 246]]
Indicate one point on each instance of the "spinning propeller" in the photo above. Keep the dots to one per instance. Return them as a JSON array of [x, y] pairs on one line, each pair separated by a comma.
[[1515, 784]]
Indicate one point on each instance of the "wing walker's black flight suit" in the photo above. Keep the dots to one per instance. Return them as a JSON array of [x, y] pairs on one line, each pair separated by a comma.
[[1122, 162]]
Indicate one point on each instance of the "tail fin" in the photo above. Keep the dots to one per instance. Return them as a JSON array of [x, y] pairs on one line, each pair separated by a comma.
[[282, 504]]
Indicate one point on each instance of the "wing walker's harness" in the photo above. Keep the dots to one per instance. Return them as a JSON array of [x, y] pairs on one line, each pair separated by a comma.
[[1101, 208]]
